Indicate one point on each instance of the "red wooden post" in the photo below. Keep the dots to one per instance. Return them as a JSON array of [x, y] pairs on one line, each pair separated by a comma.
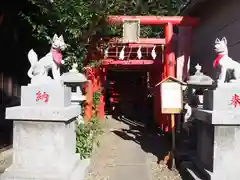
[[101, 108], [88, 102], [169, 54], [168, 70], [89, 94], [95, 80]]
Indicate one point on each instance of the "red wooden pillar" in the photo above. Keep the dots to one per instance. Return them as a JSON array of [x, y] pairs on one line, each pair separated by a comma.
[[95, 79], [88, 102], [169, 69], [103, 78], [169, 54], [101, 108]]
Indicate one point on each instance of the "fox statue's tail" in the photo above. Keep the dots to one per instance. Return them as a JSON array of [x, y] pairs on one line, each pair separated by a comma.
[[33, 59]]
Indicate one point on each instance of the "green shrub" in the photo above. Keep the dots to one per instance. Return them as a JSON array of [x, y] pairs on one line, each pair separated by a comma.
[[86, 137]]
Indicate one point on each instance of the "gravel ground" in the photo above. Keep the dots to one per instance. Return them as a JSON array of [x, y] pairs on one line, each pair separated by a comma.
[[104, 157], [161, 171]]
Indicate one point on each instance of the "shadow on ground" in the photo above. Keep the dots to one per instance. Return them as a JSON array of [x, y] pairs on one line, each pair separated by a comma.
[[151, 139], [148, 137]]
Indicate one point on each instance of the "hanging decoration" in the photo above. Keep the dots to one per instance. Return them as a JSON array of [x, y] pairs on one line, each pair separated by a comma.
[[106, 53], [121, 55], [153, 53], [139, 53]]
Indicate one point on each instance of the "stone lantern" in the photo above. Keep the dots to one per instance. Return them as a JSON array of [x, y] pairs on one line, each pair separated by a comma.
[[200, 79], [197, 84], [75, 80]]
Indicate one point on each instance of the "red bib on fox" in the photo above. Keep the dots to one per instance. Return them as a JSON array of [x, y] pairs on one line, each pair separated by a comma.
[[57, 56], [217, 60]]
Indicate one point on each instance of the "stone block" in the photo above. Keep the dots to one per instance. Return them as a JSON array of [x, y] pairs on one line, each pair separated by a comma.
[[54, 94], [77, 173], [44, 150], [44, 138], [24, 113], [218, 156], [53, 143], [218, 143], [220, 99], [226, 152], [216, 117], [226, 117]]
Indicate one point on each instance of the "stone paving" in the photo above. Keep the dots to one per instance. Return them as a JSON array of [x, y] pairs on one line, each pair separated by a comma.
[[125, 153]]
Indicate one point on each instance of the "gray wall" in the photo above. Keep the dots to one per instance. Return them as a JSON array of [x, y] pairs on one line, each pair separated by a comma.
[[218, 18]]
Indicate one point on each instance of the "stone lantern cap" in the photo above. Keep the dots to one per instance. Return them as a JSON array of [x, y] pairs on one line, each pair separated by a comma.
[[73, 76], [199, 78]]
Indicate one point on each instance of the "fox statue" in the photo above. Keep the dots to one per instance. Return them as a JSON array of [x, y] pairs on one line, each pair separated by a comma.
[[224, 61], [52, 60]]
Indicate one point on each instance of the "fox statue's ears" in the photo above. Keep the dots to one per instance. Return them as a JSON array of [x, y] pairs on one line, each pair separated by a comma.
[[224, 39], [217, 40], [61, 38], [55, 37]]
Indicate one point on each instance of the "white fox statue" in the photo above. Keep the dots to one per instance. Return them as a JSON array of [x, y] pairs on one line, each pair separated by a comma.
[[224, 61], [39, 69]]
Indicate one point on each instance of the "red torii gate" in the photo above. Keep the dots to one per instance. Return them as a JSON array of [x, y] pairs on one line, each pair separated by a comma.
[[169, 56]]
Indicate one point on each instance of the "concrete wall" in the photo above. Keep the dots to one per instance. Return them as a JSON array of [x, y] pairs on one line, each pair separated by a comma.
[[218, 18]]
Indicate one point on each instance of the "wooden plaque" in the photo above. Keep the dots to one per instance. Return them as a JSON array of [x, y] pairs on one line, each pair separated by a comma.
[[171, 97], [131, 31]]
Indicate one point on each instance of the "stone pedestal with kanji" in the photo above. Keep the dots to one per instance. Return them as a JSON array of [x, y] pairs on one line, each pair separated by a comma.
[[218, 140], [44, 140]]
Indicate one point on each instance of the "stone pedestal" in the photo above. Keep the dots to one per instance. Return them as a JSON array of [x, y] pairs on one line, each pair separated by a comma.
[[44, 136], [218, 134]]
